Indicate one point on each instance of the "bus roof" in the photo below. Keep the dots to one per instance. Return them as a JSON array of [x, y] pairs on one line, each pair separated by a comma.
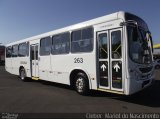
[[113, 16]]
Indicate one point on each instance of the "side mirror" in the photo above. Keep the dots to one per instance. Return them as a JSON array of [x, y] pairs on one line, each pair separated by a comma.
[[149, 40]]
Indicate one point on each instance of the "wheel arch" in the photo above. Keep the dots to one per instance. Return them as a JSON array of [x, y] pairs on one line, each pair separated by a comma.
[[74, 72], [21, 67]]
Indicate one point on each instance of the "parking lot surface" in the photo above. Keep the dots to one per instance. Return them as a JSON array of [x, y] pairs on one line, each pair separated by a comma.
[[46, 97]]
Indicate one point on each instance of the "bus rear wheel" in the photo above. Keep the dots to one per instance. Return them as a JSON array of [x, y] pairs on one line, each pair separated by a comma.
[[22, 74], [81, 84]]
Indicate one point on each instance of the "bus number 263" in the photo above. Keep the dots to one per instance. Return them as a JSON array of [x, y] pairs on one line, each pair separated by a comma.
[[78, 60]]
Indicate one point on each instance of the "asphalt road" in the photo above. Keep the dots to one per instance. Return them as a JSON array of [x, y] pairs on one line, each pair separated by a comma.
[[45, 97]]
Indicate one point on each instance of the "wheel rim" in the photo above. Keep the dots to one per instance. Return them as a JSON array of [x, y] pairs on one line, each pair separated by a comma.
[[22, 74], [79, 84]]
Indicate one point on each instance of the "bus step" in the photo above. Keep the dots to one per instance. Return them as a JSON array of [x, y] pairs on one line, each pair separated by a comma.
[[35, 78]]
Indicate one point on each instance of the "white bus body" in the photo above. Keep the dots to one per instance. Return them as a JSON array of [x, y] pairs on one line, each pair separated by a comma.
[[95, 54]]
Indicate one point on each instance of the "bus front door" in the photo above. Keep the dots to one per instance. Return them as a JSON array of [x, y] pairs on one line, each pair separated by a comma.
[[34, 61], [110, 60]]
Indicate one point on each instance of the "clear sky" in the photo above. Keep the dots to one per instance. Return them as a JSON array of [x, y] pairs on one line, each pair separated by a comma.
[[21, 19]]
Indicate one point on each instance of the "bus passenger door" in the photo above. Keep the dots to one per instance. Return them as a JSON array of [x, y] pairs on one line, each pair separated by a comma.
[[103, 56], [34, 61], [110, 60], [116, 59]]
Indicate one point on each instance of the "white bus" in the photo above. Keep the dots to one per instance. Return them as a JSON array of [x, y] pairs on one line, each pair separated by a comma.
[[112, 53]]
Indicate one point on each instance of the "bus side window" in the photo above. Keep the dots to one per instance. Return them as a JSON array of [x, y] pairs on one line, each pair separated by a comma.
[[61, 44], [82, 40], [9, 52], [45, 46], [15, 51], [23, 49]]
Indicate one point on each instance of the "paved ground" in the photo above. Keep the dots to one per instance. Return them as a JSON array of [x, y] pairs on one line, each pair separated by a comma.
[[45, 97]]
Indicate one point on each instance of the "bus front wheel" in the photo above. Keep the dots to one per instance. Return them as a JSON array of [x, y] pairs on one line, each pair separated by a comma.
[[81, 84]]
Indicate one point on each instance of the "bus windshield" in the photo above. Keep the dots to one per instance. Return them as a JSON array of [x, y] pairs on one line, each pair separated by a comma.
[[140, 45]]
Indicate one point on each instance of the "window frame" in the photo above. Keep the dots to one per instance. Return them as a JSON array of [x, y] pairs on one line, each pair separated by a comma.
[[118, 46], [65, 53], [16, 45], [71, 37], [27, 52], [7, 51], [107, 43], [41, 46]]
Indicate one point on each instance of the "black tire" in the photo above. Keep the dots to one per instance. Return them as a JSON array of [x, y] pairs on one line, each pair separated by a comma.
[[22, 74], [81, 84]]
